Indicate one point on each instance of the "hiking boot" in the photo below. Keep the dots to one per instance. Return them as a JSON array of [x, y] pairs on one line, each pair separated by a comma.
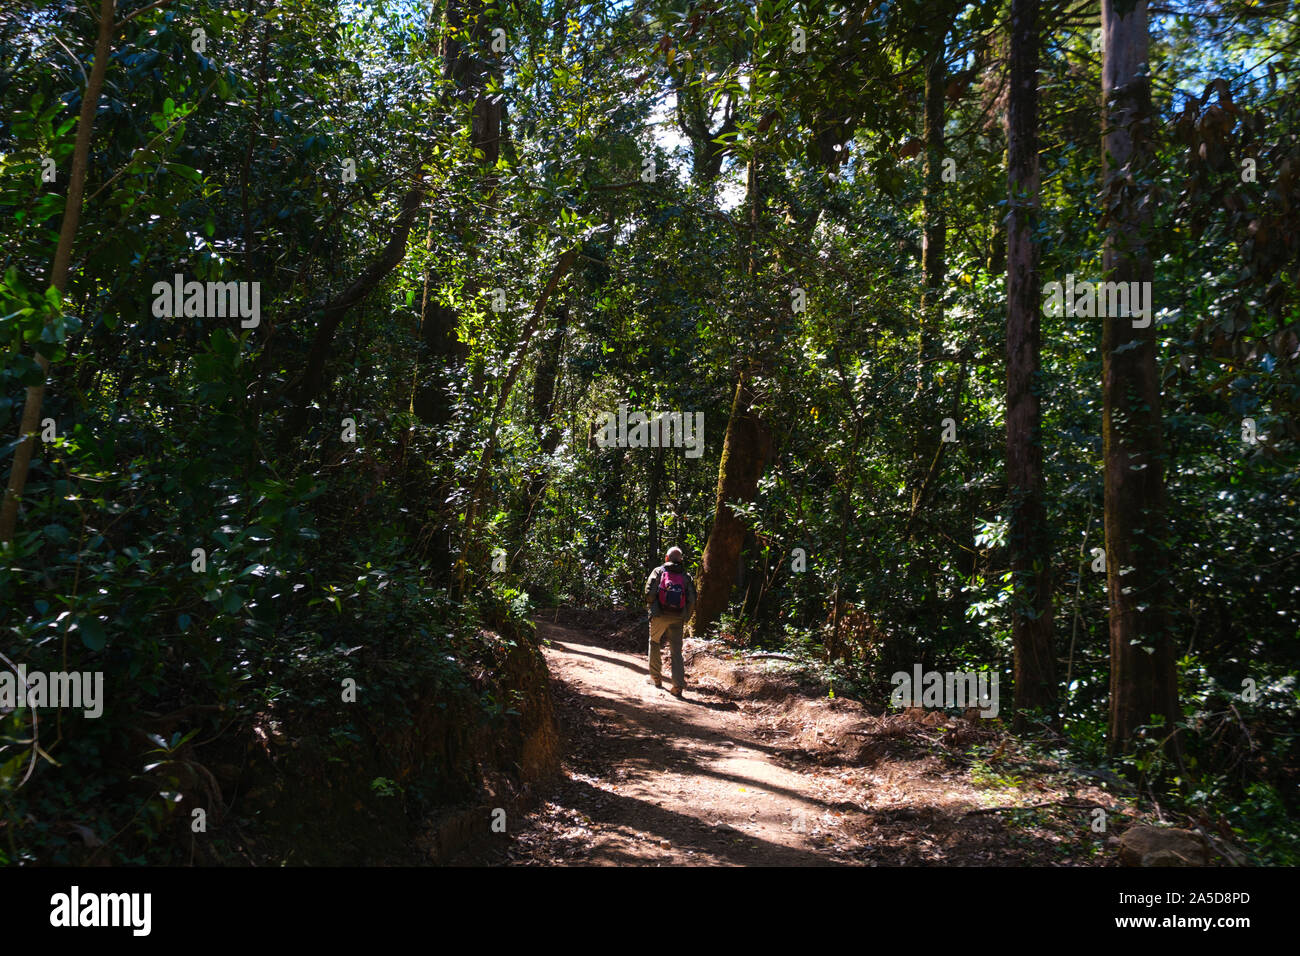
[[657, 683], [677, 692]]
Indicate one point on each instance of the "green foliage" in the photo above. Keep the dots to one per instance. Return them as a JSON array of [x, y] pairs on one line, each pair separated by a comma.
[[326, 559]]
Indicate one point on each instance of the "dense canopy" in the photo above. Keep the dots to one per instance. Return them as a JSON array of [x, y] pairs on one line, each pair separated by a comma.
[[336, 335]]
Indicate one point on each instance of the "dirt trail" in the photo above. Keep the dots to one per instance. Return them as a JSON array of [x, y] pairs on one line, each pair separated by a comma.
[[742, 772]]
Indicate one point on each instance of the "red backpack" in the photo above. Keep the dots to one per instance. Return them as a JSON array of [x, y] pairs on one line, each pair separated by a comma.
[[672, 590]]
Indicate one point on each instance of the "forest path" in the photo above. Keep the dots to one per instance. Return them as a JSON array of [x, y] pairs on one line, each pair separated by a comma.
[[675, 781], [736, 773]]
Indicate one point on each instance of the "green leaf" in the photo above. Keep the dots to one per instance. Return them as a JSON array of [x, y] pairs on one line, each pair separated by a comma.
[[92, 633]]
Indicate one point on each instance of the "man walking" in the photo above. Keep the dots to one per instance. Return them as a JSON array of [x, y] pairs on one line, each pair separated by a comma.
[[670, 595]]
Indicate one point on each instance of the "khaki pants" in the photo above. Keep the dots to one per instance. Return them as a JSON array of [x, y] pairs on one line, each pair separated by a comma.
[[669, 625]]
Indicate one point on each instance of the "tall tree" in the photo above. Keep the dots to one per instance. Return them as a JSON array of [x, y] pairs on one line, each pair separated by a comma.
[[315, 377], [470, 67], [745, 451], [62, 268], [1031, 610], [1143, 681], [546, 430], [934, 236], [928, 449]]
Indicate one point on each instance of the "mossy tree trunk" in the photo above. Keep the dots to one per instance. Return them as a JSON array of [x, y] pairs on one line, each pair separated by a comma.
[[744, 453]]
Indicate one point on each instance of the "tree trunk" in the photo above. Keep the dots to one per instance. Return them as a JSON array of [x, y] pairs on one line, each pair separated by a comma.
[[745, 449], [1031, 605], [934, 238], [442, 353], [1143, 680], [707, 153], [744, 453], [653, 492], [31, 416], [926, 447], [542, 413], [441, 356], [656, 467], [314, 378], [558, 273]]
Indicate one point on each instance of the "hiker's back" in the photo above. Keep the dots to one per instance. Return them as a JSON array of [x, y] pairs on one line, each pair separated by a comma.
[[672, 589], [670, 595]]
